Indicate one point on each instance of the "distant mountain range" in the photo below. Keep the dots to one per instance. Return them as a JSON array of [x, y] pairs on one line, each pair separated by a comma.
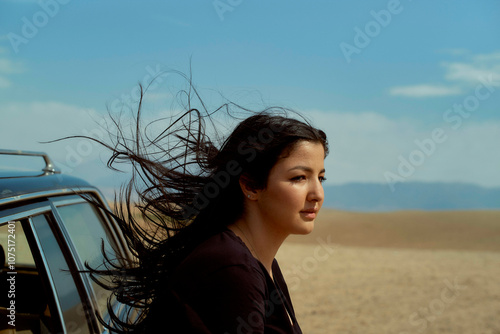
[[411, 195]]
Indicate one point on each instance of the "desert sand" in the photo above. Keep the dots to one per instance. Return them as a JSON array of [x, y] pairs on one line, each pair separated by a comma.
[[399, 272]]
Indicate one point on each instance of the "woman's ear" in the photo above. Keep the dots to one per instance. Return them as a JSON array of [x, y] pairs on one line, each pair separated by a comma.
[[248, 187]]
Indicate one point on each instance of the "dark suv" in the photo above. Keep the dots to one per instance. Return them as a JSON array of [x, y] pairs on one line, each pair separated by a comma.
[[48, 229]]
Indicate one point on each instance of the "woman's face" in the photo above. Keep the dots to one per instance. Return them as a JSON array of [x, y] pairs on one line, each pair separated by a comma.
[[294, 192]]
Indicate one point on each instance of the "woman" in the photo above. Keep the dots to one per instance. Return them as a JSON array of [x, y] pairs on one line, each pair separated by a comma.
[[219, 216]]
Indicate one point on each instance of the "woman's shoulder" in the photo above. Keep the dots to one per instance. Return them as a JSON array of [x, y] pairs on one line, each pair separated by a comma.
[[221, 251], [221, 282]]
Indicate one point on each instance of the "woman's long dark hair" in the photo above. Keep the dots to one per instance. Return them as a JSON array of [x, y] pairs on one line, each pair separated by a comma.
[[186, 187]]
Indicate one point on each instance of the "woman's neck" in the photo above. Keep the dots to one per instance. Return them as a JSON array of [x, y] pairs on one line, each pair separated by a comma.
[[262, 241]]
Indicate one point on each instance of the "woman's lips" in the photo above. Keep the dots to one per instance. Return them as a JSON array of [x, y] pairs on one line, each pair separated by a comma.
[[309, 214]]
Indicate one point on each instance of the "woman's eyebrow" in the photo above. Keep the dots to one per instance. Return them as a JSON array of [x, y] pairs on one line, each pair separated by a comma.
[[305, 169]]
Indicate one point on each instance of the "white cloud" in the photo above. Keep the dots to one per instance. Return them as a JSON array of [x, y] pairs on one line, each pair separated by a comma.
[[7, 66], [460, 76], [470, 154], [465, 72], [4, 82], [25, 125], [158, 96], [424, 91], [365, 146], [495, 57], [481, 66]]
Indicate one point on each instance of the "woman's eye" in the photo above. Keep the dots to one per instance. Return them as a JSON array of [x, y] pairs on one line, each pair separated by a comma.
[[322, 179], [298, 178]]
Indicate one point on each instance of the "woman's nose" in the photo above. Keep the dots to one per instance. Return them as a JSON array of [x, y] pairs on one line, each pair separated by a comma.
[[316, 192]]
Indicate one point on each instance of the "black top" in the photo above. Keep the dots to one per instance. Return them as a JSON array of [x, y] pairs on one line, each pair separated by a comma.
[[221, 288]]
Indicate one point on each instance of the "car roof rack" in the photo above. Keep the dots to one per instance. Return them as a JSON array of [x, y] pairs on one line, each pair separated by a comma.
[[49, 166]]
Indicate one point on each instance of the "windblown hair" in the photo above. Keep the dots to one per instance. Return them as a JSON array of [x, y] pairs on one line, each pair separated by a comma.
[[186, 187]]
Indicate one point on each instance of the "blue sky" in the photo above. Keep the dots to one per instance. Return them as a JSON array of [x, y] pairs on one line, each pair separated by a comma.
[[380, 77]]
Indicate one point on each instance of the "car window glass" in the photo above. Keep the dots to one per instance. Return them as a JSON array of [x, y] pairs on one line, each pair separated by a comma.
[[25, 292], [71, 304], [14, 232], [86, 228]]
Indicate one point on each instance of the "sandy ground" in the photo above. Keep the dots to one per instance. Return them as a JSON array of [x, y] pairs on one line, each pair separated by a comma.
[[403, 272]]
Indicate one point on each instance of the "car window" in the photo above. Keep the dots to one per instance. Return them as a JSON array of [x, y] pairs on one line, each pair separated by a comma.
[[87, 230], [14, 232], [26, 301], [70, 301]]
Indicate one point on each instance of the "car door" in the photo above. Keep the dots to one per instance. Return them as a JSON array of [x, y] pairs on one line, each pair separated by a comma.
[[40, 291], [50, 241]]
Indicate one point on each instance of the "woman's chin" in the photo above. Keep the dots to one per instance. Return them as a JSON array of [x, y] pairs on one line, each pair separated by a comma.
[[305, 228]]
